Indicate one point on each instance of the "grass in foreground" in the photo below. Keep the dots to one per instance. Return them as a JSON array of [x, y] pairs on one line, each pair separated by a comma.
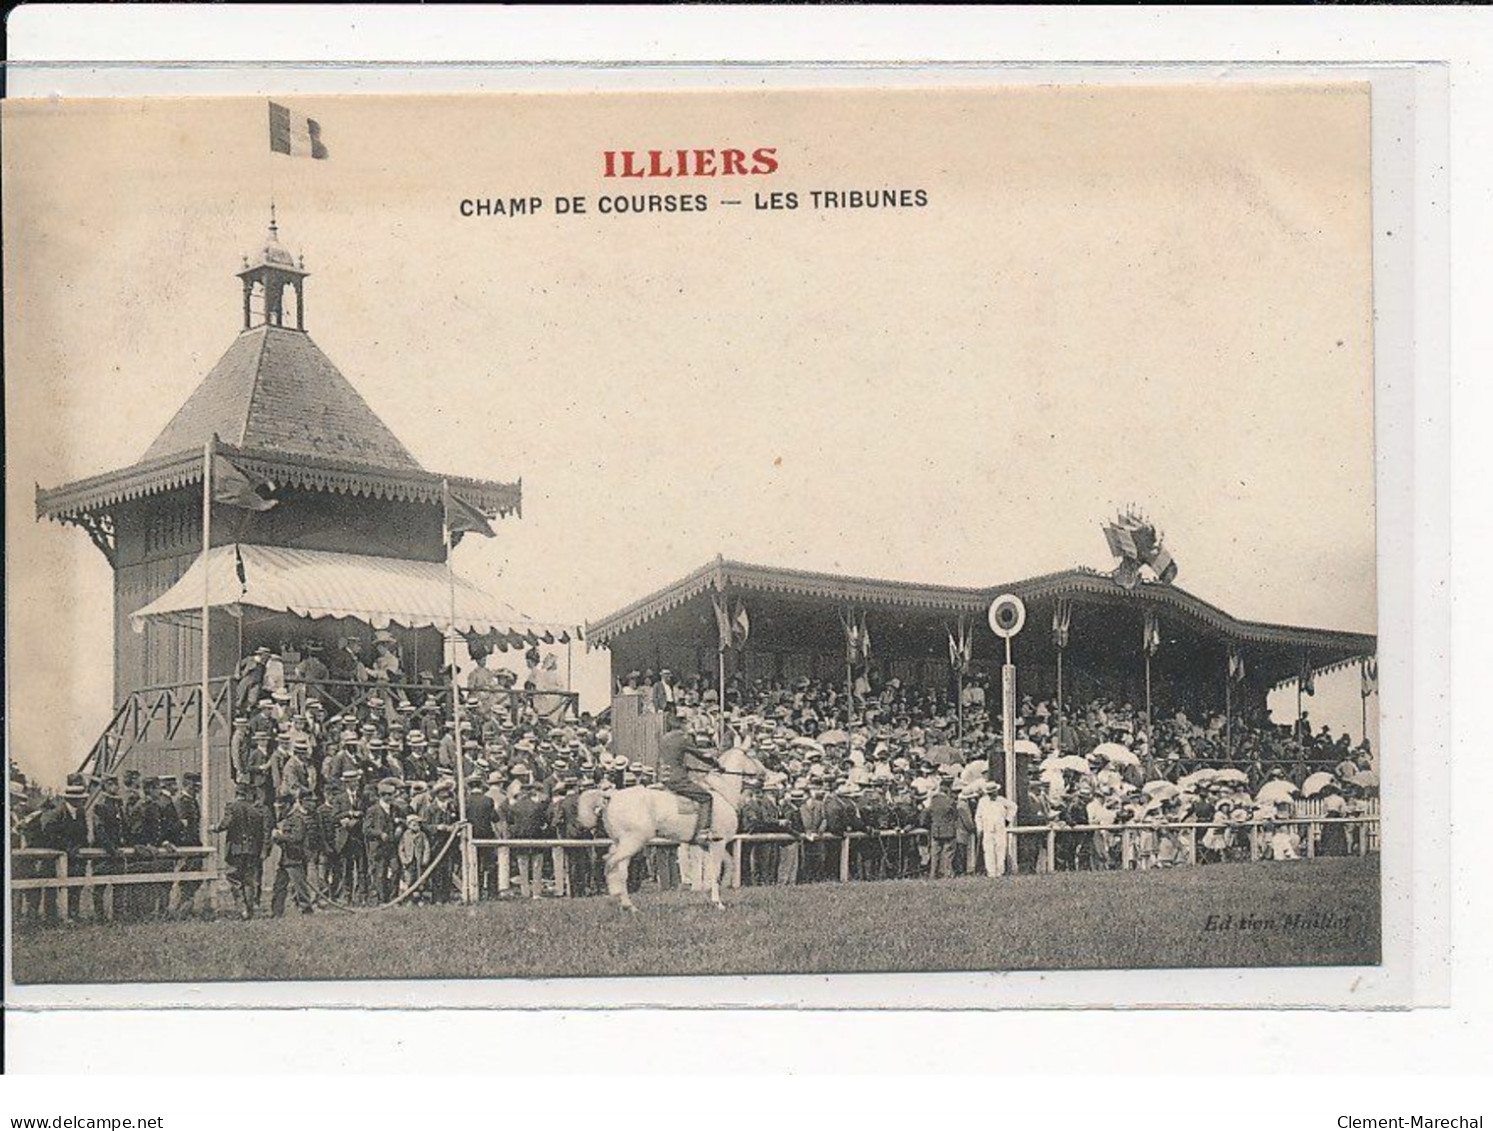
[[1068, 921]]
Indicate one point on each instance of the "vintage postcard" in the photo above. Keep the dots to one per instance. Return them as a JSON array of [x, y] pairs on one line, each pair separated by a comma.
[[630, 535]]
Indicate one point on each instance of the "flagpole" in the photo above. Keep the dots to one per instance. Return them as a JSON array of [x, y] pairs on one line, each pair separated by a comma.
[[720, 726], [468, 873], [1060, 693], [204, 818], [1148, 697], [1228, 705], [850, 669]]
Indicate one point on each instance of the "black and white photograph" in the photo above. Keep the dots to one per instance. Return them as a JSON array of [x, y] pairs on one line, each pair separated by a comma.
[[669, 534]]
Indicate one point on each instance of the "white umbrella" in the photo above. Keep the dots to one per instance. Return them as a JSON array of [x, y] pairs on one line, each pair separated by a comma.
[[1365, 779], [1317, 783], [1231, 775], [1025, 746], [1274, 791], [1197, 777], [1158, 790], [1065, 762], [1116, 755], [833, 736]]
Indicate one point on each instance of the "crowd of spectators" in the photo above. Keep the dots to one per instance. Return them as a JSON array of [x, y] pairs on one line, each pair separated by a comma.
[[359, 794]]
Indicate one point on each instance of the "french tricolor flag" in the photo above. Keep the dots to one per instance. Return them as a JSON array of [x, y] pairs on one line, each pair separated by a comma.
[[295, 134]]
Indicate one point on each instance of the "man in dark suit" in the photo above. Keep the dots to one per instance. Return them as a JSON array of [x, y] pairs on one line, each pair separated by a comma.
[[108, 836], [65, 829], [243, 826], [345, 853], [526, 821], [482, 815], [942, 822], [292, 835], [678, 759], [381, 843], [189, 830]]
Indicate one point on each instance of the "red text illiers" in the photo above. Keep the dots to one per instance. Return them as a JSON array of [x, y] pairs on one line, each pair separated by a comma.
[[689, 162]]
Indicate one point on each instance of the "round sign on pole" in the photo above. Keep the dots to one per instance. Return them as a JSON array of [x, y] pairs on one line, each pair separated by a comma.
[[1007, 615]]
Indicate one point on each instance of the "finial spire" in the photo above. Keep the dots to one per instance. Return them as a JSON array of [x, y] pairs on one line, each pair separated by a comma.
[[274, 228]]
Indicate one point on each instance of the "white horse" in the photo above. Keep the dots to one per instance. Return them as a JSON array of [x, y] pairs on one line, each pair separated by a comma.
[[638, 814]]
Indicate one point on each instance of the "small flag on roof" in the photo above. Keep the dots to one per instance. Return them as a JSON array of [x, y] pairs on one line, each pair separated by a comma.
[[463, 518], [295, 135], [237, 488]]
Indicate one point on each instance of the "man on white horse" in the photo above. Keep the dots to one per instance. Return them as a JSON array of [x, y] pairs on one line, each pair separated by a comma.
[[679, 758]]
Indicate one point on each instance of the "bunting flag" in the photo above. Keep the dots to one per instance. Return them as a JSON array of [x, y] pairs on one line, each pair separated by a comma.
[[295, 135], [1236, 666], [1136, 542], [722, 621], [741, 626], [1368, 674], [1151, 635], [237, 488], [1164, 565], [1306, 678], [961, 647], [1062, 616], [857, 638], [238, 569], [463, 518]]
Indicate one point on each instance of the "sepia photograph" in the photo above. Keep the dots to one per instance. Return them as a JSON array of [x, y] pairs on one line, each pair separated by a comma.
[[684, 533]]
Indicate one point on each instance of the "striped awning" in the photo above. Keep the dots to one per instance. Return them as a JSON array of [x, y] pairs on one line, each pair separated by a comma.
[[319, 584]]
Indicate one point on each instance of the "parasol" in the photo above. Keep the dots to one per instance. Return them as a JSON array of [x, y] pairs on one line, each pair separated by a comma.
[[1365, 779], [1231, 775], [1317, 783], [1274, 791], [1116, 755]]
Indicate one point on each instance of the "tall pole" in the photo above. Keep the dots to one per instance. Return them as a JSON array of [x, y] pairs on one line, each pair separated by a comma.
[[1008, 720], [468, 871], [720, 726], [205, 819], [959, 701], [1060, 694], [1228, 707], [1148, 696]]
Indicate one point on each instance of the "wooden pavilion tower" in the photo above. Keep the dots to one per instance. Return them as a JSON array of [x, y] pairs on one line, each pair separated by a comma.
[[357, 527]]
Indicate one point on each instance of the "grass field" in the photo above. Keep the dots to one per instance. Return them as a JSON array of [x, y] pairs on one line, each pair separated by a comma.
[[1056, 922]]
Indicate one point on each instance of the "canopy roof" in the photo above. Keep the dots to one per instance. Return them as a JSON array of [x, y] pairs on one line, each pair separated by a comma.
[[275, 390], [319, 584], [315, 473], [909, 617], [275, 399]]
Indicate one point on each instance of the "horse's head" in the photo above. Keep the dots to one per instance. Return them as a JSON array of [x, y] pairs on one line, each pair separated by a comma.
[[589, 807], [740, 761]]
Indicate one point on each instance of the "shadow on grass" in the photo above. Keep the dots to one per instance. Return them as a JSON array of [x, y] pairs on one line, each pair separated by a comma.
[[1301, 913]]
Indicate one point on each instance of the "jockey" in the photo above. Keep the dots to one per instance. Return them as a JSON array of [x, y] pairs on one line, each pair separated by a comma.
[[678, 758]]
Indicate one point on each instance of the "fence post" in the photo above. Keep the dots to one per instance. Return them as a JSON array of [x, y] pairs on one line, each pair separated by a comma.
[[845, 858], [505, 869], [1052, 849], [737, 850], [1311, 840], [557, 862]]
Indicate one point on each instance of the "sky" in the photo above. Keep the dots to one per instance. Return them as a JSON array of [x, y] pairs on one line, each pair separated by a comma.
[[1113, 295]]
